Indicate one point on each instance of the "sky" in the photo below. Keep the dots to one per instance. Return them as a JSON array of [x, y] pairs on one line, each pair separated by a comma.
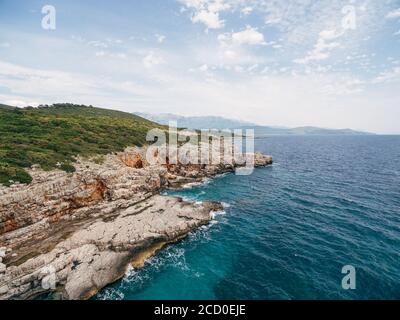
[[326, 63]]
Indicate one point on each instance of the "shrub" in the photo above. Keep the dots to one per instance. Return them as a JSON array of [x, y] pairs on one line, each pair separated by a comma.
[[67, 168], [56, 134]]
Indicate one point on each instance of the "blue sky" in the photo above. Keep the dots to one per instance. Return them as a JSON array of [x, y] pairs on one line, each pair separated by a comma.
[[286, 63]]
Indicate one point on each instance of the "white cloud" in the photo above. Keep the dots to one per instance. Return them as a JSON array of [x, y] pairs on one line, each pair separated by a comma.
[[249, 36], [209, 18], [322, 48], [388, 76], [152, 59], [277, 46], [223, 56], [50, 86], [299, 20], [204, 68], [324, 97], [160, 38], [29, 81], [207, 12], [393, 14], [117, 55], [247, 10], [98, 44], [21, 103], [100, 54], [5, 45], [253, 67]]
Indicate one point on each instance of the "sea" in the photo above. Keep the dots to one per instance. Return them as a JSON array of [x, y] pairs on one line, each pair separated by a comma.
[[288, 230]]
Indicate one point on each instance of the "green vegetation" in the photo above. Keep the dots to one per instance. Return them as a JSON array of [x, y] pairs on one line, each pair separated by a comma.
[[4, 106], [52, 136]]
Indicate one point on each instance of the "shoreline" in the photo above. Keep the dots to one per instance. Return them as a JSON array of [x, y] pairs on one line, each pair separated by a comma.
[[88, 227]]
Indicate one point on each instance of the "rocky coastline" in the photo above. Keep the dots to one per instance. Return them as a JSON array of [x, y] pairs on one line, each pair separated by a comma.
[[75, 233]]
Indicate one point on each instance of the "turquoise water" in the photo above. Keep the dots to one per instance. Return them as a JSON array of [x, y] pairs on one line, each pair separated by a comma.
[[287, 230]]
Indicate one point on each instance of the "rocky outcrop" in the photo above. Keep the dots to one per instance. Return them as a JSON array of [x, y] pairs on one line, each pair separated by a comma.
[[77, 232], [98, 253]]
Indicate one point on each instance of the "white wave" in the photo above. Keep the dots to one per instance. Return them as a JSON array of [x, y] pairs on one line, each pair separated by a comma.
[[221, 175], [214, 214], [188, 199], [111, 294], [207, 227], [131, 271], [190, 185], [226, 205], [170, 255]]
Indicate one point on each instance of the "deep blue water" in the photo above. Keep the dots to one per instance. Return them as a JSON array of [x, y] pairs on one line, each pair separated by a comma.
[[328, 201]]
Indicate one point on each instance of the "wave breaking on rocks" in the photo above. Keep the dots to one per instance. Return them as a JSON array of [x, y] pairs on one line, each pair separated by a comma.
[[75, 233]]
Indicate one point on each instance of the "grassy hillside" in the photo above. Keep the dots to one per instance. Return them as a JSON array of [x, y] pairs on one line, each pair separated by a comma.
[[4, 106], [54, 134]]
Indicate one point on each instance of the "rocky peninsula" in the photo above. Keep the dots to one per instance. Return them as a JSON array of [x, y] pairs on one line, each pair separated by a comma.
[[75, 233]]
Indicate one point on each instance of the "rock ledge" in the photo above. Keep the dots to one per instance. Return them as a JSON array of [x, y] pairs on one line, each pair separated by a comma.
[[76, 233]]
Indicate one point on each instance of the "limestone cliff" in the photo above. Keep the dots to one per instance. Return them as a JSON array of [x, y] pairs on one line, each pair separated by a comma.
[[77, 232]]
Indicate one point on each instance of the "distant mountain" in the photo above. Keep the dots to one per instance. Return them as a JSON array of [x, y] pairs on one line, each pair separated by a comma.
[[263, 131], [208, 122], [212, 122]]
